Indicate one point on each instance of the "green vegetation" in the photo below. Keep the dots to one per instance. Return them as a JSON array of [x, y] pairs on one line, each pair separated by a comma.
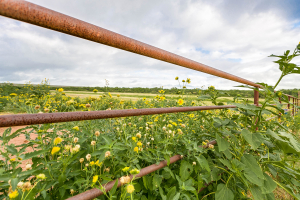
[[253, 156]]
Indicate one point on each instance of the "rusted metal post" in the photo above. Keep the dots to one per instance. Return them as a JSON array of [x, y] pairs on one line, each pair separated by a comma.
[[44, 17], [280, 103], [256, 97], [294, 106]]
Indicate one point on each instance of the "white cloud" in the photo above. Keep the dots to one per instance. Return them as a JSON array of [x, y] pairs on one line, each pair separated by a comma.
[[231, 36]]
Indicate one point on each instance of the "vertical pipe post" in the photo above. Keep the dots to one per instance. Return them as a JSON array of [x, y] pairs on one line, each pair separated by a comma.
[[289, 102], [280, 103], [256, 97], [293, 106]]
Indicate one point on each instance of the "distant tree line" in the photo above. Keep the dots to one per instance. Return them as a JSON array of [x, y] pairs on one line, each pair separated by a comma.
[[7, 88]]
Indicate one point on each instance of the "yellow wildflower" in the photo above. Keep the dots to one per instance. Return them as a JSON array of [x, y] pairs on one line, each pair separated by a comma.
[[60, 89], [134, 139], [136, 149], [130, 188], [95, 179], [180, 102], [15, 193], [57, 140], [41, 176], [76, 128], [139, 144], [55, 150], [176, 78], [125, 169]]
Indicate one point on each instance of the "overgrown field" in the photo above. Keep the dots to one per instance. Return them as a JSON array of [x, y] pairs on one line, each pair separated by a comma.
[[253, 156]]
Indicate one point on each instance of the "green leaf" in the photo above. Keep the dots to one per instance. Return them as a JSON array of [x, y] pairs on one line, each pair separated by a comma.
[[222, 143], [107, 139], [269, 185], [203, 162], [185, 170], [62, 178], [171, 193], [256, 193], [223, 192], [176, 197], [34, 154], [145, 182], [269, 196], [167, 169], [14, 182], [114, 188], [251, 163], [167, 157], [11, 149], [156, 181], [189, 188], [62, 191], [254, 139], [161, 192], [251, 176]]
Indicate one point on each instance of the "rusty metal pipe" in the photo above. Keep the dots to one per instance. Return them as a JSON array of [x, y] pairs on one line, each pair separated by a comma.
[[40, 16], [256, 97], [93, 193], [44, 118]]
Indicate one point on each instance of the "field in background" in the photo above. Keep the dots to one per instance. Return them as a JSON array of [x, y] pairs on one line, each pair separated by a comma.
[[137, 96]]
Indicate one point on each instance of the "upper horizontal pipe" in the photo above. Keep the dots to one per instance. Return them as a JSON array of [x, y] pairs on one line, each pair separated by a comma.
[[43, 118], [44, 17]]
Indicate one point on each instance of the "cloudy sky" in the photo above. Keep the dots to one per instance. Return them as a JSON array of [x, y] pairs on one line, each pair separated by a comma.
[[231, 35]]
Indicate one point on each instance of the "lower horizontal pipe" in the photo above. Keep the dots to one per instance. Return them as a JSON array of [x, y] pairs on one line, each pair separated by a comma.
[[44, 118]]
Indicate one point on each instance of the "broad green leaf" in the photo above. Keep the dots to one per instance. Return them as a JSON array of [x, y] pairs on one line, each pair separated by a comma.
[[222, 143], [254, 139], [269, 196], [252, 177], [256, 193], [251, 163], [223, 192], [176, 197], [227, 164], [185, 170], [189, 188], [156, 181], [167, 169], [203, 162], [171, 193], [269, 185]]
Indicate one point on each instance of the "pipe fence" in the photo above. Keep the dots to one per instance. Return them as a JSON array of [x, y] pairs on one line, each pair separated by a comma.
[[37, 15]]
